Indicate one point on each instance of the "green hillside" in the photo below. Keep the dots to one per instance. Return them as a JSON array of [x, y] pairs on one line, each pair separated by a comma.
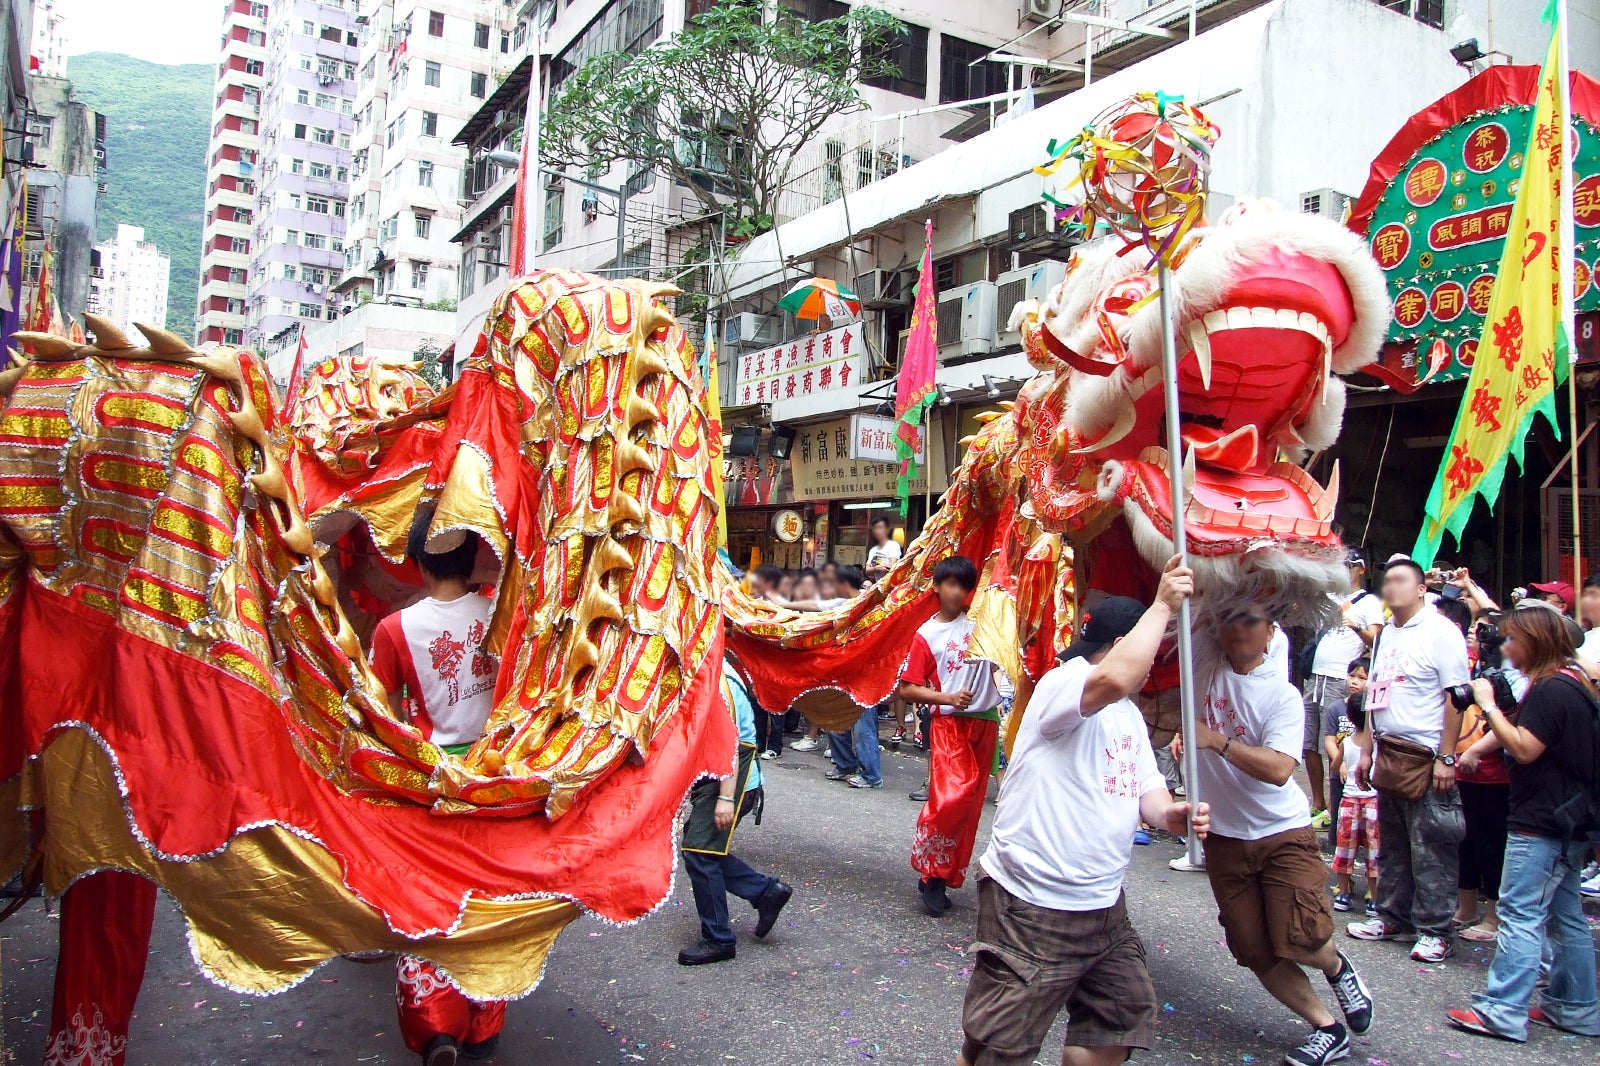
[[158, 125]]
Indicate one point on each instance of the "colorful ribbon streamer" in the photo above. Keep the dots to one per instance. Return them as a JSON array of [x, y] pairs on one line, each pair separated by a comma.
[[1143, 166]]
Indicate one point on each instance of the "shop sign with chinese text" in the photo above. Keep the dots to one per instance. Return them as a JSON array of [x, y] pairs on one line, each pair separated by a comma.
[[872, 440], [824, 470], [806, 366], [1437, 228]]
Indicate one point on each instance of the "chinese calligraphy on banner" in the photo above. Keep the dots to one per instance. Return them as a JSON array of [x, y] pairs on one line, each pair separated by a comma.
[[805, 366]]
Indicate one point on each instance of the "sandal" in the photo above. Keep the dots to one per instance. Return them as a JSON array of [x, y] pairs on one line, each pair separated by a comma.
[[1477, 934]]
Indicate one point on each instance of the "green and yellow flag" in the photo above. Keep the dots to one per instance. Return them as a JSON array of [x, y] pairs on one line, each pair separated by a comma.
[[1525, 348]]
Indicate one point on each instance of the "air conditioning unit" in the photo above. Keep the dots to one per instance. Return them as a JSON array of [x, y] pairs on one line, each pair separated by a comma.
[[1029, 283], [1039, 12], [879, 289], [1029, 230], [750, 329], [1329, 203], [965, 319]]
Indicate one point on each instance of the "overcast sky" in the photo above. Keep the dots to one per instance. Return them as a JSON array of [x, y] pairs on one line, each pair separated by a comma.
[[161, 31]]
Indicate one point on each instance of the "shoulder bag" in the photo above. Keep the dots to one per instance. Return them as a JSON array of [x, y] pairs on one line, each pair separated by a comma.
[[1402, 767]]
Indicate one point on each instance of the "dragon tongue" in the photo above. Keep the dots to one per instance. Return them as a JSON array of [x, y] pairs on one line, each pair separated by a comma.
[[1237, 450]]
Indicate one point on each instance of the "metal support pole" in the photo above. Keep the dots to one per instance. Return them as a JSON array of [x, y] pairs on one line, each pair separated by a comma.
[[1180, 546], [622, 223]]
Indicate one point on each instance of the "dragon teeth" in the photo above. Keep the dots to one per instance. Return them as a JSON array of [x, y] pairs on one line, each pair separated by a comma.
[[1200, 340]]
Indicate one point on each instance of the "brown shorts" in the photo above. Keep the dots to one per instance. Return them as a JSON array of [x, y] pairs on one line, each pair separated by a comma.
[[1029, 962], [1272, 896]]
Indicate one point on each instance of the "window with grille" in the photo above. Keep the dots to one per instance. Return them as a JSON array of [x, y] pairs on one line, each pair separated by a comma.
[[908, 53], [424, 224]]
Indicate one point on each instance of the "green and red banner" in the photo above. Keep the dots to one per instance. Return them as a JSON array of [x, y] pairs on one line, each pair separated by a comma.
[[1438, 204]]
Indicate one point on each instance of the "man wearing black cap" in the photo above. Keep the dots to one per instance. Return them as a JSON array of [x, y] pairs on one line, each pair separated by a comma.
[[1053, 930]]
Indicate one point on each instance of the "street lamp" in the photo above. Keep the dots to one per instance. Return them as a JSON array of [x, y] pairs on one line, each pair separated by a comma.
[[506, 158]]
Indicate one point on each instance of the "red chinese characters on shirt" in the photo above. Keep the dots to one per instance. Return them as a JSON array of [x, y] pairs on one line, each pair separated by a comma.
[[445, 655], [1120, 774], [1222, 716]]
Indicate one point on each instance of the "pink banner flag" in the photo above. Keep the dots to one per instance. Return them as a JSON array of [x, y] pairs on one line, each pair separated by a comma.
[[915, 390]]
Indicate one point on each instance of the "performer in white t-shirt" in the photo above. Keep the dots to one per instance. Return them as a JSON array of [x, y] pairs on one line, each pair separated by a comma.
[[1419, 656], [1262, 857], [440, 675], [1053, 930]]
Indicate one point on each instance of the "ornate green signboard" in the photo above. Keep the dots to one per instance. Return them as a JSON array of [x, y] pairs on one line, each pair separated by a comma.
[[1436, 208]]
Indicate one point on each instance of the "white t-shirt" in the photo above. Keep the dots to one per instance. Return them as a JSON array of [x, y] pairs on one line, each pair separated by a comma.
[[938, 660], [1415, 663], [1352, 759], [1261, 709], [1341, 645], [1278, 652], [886, 553], [1590, 648], [1063, 830], [432, 654]]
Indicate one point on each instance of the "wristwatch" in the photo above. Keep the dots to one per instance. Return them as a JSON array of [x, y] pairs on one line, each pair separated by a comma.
[[1448, 760]]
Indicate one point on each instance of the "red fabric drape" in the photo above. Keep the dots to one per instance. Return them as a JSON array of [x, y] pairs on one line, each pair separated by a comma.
[[106, 920]]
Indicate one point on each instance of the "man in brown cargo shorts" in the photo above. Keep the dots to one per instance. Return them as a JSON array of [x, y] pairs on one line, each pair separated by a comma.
[[1053, 930], [1262, 855]]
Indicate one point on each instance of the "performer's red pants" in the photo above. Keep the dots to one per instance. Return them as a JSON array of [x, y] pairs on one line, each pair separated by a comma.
[[430, 1006], [959, 760], [105, 939]]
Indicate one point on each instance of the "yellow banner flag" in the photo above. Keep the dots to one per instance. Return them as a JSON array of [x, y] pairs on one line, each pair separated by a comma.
[[718, 468], [1524, 349]]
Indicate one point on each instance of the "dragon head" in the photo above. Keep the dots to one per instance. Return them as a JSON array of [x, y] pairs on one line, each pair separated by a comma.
[[342, 402], [1270, 307]]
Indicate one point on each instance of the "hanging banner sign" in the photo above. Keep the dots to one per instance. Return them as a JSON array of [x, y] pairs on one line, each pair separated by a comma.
[[1438, 202], [872, 440], [806, 366]]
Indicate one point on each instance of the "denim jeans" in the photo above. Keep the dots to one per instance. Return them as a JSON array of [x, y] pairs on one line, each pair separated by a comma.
[[856, 752], [713, 876], [1539, 899]]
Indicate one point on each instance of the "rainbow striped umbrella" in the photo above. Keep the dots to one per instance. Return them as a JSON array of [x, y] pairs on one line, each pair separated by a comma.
[[815, 297]]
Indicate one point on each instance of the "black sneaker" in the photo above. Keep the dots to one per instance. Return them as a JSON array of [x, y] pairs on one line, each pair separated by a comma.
[[1355, 999], [440, 1051], [1321, 1047], [920, 795], [770, 905], [933, 896]]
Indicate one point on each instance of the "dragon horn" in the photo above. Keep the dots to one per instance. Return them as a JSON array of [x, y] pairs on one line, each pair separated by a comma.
[[107, 337], [45, 345], [162, 342]]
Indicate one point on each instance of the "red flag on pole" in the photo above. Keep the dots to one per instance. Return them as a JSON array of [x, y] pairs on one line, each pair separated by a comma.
[[915, 390], [291, 392]]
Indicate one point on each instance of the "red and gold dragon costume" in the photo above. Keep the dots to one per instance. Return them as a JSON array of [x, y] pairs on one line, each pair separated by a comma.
[[185, 699], [1066, 493]]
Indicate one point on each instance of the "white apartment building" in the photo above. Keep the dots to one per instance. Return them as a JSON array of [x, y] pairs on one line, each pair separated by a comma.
[[425, 66], [231, 173], [49, 51], [132, 284]]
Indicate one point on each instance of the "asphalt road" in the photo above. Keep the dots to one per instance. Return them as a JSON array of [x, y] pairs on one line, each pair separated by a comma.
[[855, 971]]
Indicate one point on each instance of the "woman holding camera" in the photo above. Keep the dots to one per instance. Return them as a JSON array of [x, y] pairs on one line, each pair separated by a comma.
[[1553, 744]]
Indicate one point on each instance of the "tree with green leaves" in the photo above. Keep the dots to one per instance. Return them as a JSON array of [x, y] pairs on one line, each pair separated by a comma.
[[724, 107]]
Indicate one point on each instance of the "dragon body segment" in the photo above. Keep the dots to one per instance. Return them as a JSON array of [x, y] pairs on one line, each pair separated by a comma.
[[185, 696]]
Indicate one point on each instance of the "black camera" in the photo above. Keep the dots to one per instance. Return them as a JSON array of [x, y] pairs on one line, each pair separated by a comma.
[[1505, 699]]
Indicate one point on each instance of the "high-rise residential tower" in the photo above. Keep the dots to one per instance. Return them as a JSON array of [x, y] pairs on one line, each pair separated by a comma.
[[232, 173], [306, 127]]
